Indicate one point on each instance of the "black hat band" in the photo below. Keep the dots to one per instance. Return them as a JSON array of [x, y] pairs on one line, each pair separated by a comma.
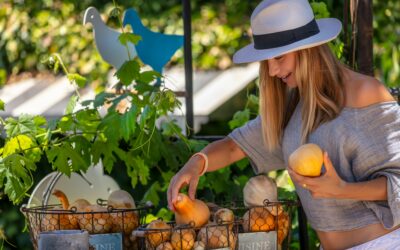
[[282, 38]]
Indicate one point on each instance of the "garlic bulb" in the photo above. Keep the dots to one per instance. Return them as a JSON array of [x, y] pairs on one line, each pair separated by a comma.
[[258, 189]]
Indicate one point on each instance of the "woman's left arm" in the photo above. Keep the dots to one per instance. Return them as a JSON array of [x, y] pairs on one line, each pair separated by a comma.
[[330, 185]]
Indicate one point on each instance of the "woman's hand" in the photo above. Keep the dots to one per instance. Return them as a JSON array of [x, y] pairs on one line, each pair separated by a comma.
[[328, 185], [188, 175]]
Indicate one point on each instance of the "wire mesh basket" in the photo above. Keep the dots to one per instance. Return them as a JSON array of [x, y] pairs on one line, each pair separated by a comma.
[[169, 236], [256, 227], [105, 219], [267, 226]]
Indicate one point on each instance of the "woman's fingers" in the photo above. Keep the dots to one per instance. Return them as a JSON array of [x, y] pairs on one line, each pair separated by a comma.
[[327, 163], [192, 188], [179, 181], [305, 182], [173, 190], [169, 195]]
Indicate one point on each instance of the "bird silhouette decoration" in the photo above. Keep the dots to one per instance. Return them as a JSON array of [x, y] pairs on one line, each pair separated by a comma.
[[106, 39], [154, 49]]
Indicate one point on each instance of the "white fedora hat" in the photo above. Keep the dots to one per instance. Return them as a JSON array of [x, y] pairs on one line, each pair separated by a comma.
[[283, 26]]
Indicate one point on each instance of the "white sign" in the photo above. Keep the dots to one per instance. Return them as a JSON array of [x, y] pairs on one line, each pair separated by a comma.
[[258, 241]]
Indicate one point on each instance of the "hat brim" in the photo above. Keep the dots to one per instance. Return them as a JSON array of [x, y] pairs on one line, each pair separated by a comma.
[[329, 30]]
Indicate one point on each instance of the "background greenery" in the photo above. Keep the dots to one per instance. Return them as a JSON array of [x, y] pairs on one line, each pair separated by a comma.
[[32, 30]]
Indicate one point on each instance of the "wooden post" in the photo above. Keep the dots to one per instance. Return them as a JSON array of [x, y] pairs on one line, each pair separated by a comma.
[[364, 37]]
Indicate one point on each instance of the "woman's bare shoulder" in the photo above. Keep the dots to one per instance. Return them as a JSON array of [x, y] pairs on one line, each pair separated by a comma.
[[363, 90]]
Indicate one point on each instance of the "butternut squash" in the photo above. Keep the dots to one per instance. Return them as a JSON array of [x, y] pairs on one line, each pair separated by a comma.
[[165, 246], [307, 160], [224, 215], [258, 219], [189, 211], [96, 220], [183, 239], [282, 227], [214, 236], [199, 245], [160, 234], [66, 220]]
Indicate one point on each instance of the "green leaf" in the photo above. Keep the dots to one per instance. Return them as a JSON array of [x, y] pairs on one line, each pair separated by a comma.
[[18, 178], [66, 123], [167, 176], [253, 100], [142, 170], [170, 128], [243, 164], [109, 125], [239, 119], [128, 72], [59, 159], [71, 104], [15, 189], [165, 214], [105, 151], [152, 194], [83, 148], [22, 143], [124, 38], [3, 173], [17, 144], [1, 105], [87, 103], [24, 125], [128, 123], [77, 79], [39, 120], [143, 87], [3, 78], [147, 113], [88, 120], [149, 76], [320, 10], [155, 145], [136, 169], [168, 153], [65, 158], [101, 98]]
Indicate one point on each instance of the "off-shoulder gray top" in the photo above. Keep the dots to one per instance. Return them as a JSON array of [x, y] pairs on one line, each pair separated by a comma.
[[363, 143]]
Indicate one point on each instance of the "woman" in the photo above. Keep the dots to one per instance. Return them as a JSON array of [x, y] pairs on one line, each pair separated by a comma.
[[308, 96]]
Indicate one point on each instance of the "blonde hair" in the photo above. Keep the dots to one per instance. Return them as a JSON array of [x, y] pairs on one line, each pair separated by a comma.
[[319, 76]]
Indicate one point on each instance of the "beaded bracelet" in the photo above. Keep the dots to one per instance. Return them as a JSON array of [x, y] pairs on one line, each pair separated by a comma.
[[204, 156]]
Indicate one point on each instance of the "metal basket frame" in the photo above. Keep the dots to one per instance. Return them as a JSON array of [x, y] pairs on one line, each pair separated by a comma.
[[237, 207], [35, 216], [288, 206], [142, 232]]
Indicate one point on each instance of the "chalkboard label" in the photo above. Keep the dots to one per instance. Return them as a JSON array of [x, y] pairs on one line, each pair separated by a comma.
[[258, 241], [106, 241]]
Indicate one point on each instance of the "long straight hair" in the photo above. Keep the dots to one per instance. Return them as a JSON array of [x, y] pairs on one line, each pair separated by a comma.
[[319, 76]]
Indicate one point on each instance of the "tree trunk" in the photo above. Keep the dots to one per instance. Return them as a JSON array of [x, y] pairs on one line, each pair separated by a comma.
[[364, 37]]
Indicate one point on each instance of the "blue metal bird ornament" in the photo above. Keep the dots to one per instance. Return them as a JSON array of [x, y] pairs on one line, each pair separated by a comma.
[[154, 49]]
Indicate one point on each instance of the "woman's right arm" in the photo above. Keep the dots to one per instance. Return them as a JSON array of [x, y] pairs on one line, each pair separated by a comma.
[[220, 154]]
